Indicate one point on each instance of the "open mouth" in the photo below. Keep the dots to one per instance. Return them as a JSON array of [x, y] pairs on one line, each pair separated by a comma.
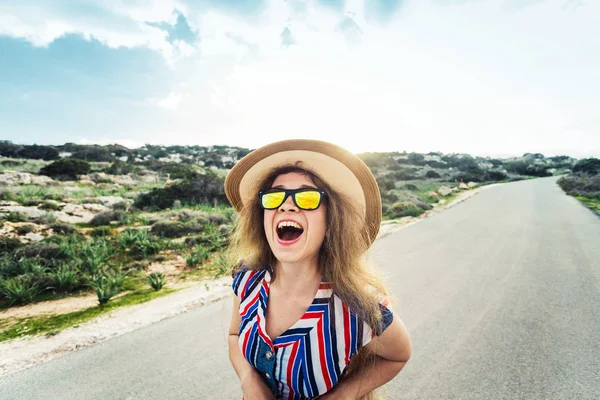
[[288, 231]]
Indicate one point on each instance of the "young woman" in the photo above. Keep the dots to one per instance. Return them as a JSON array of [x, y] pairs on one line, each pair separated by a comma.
[[310, 320]]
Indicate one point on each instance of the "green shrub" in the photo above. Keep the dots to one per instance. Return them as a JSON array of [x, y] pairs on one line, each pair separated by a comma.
[[218, 219], [45, 219], [65, 278], [93, 153], [170, 229], [94, 254], [156, 280], [102, 231], [404, 209], [495, 176], [106, 287], [105, 218], [204, 189], [410, 186], [431, 174], [404, 174], [139, 242], [38, 152], [15, 217], [8, 149], [197, 256], [212, 239], [120, 168], [19, 290], [63, 229], [589, 166], [24, 229], [50, 206], [31, 203], [11, 163], [66, 169], [42, 250], [386, 183], [582, 184], [7, 245]]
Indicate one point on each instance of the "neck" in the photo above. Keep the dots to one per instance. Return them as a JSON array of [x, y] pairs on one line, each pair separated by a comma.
[[297, 278]]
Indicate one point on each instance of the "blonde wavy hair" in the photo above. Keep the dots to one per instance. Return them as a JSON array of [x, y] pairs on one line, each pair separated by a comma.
[[342, 257]]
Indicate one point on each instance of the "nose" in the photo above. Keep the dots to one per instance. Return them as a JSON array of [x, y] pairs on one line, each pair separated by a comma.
[[288, 205]]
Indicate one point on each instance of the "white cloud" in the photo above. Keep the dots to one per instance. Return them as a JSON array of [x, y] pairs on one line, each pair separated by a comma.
[[171, 102], [118, 25]]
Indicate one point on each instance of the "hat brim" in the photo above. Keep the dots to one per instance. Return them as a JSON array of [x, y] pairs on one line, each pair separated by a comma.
[[342, 170]]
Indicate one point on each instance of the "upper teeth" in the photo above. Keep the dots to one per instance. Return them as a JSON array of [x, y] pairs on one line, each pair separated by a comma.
[[289, 223]]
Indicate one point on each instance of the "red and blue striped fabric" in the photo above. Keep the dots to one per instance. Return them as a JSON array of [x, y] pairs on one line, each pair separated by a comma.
[[312, 355]]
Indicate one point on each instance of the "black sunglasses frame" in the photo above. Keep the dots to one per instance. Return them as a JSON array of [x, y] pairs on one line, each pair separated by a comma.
[[290, 192]]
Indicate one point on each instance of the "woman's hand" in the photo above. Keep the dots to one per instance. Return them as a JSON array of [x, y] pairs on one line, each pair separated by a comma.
[[254, 388]]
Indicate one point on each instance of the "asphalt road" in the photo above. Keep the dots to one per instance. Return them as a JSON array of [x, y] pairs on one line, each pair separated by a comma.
[[501, 295]]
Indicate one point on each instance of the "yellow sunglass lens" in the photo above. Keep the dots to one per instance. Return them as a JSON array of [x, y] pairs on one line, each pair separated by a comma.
[[273, 200], [308, 200]]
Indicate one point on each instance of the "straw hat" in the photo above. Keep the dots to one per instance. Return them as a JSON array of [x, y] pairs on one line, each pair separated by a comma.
[[342, 170]]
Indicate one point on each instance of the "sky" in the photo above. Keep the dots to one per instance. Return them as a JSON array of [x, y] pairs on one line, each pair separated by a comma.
[[484, 77]]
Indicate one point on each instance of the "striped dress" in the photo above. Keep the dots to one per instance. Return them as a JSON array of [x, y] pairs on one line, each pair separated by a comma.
[[310, 357]]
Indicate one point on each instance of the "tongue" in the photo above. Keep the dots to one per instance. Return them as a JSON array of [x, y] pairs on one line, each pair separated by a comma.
[[290, 234]]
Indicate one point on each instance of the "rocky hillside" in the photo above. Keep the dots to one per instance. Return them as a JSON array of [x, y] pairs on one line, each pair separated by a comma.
[[103, 218]]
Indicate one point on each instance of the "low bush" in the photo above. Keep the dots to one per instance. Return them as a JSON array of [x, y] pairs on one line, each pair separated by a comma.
[[19, 290], [7, 245], [404, 175], [140, 243], [50, 206], [42, 250], [389, 197], [11, 163], [470, 177], [174, 229], [205, 189], [212, 239], [38, 152], [156, 280], [15, 217], [106, 287], [102, 231], [63, 229], [197, 256], [495, 176], [65, 278], [404, 209], [590, 166], [105, 218], [410, 186], [24, 229], [386, 183], [93, 153], [66, 169], [431, 174], [120, 168], [582, 183]]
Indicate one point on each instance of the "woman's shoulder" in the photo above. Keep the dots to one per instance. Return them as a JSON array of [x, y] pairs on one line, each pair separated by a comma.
[[245, 279], [355, 318]]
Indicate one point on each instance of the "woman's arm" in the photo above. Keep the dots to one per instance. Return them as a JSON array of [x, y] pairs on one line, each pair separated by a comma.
[[393, 349], [252, 384]]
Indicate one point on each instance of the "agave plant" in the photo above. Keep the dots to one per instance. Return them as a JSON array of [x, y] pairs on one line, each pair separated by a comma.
[[20, 290], [156, 280], [65, 278], [107, 286], [197, 256]]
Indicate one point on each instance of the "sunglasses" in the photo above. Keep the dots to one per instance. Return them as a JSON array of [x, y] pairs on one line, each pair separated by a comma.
[[305, 198]]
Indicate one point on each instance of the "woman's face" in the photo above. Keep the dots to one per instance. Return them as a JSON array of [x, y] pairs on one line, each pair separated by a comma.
[[285, 243]]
